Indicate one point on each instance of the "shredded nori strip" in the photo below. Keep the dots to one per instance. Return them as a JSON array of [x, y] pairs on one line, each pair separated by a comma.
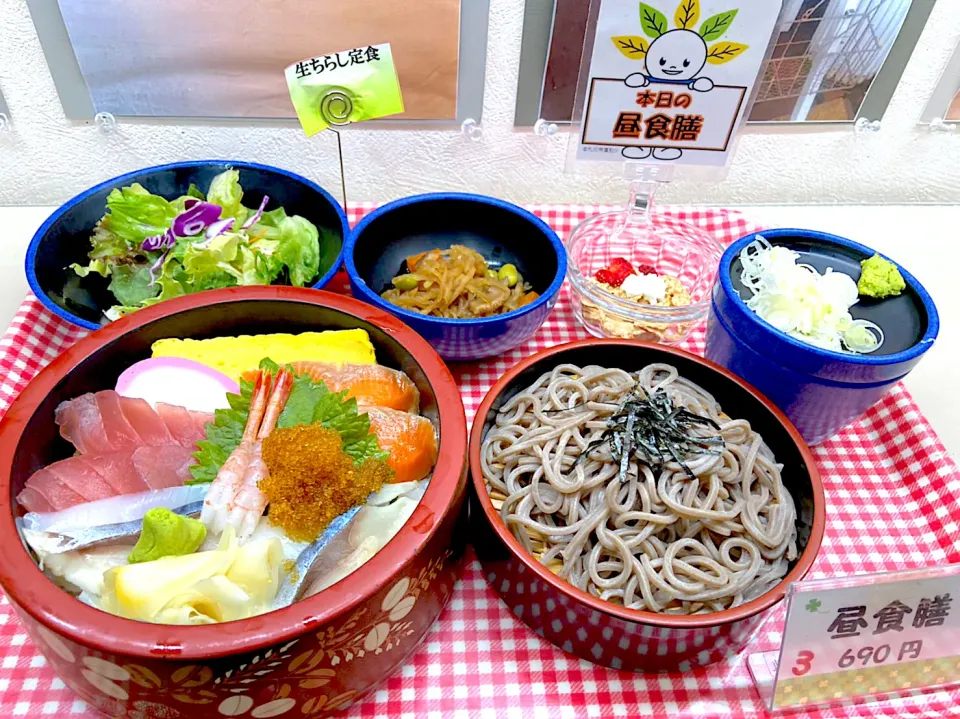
[[655, 431]]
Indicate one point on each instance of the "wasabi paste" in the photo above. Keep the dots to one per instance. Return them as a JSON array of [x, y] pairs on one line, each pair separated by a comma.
[[167, 534], [880, 278]]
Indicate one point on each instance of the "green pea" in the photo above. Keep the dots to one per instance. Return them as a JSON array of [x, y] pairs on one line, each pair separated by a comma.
[[405, 282], [492, 274], [510, 274]]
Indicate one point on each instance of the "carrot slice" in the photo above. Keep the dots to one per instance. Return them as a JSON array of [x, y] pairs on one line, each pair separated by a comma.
[[528, 298], [412, 260]]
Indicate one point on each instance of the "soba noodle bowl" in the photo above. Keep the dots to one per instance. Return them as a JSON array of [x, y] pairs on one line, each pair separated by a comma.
[[642, 532]]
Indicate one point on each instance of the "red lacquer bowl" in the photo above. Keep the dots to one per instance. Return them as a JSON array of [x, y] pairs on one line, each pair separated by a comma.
[[310, 659], [599, 631]]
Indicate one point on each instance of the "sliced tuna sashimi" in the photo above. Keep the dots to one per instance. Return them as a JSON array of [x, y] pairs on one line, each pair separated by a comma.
[[81, 479], [182, 423], [117, 470], [33, 501], [162, 467], [81, 425], [146, 422], [118, 430], [57, 494], [107, 422], [201, 419]]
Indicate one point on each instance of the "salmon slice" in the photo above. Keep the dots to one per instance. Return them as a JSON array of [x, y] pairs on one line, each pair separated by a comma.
[[84, 478], [410, 439], [369, 384], [106, 422], [56, 493]]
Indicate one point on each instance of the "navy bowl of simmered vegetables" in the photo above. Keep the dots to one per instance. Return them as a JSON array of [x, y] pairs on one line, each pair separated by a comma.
[[181, 228]]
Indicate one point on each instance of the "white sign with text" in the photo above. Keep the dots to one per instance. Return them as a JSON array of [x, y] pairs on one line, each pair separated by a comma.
[[858, 636], [669, 80]]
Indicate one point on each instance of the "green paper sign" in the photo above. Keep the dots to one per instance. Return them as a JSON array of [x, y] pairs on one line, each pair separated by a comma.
[[344, 87]]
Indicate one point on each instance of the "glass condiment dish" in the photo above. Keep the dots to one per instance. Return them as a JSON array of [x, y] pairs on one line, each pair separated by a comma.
[[648, 237]]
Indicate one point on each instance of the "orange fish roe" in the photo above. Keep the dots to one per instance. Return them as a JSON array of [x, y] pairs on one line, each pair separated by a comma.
[[311, 480]]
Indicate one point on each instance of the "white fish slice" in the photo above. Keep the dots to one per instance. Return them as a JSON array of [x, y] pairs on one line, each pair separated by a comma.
[[83, 526]]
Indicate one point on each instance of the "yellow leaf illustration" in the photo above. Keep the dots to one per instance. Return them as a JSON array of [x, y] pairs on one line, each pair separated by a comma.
[[633, 46], [688, 12], [722, 52]]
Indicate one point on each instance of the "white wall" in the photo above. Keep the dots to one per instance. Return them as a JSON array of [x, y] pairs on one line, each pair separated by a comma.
[[47, 158]]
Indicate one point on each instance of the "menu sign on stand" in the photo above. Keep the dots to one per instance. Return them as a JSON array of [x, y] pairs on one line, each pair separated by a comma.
[[669, 81], [344, 87], [866, 635], [336, 89]]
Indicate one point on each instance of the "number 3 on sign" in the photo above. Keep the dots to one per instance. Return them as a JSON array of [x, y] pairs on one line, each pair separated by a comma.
[[802, 664]]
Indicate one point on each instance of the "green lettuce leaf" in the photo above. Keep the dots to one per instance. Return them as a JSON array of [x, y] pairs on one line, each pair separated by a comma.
[[133, 215], [173, 280], [98, 266], [297, 243], [268, 221], [278, 248], [309, 403], [210, 266], [225, 191], [130, 284], [299, 249], [268, 265]]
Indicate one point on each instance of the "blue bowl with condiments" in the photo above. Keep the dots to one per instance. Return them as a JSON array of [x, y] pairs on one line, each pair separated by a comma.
[[501, 232], [821, 391]]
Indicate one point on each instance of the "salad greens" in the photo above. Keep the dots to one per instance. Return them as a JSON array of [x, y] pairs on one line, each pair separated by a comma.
[[153, 249], [309, 402]]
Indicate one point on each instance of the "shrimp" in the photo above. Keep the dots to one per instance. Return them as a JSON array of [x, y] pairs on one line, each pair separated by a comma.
[[235, 498]]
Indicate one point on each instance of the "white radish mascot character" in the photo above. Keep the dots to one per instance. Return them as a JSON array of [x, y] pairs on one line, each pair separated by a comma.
[[676, 56]]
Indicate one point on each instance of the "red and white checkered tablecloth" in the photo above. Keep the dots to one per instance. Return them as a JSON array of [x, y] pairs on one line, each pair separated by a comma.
[[891, 491]]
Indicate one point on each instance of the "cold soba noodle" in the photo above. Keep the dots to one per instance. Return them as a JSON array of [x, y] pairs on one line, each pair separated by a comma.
[[637, 489]]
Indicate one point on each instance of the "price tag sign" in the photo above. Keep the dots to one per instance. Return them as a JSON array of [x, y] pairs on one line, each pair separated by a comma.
[[865, 635], [344, 87]]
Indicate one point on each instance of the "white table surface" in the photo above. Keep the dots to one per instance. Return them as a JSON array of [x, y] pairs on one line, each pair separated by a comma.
[[922, 238]]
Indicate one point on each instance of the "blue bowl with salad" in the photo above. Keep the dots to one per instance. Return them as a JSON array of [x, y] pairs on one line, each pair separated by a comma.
[[181, 228], [823, 326]]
